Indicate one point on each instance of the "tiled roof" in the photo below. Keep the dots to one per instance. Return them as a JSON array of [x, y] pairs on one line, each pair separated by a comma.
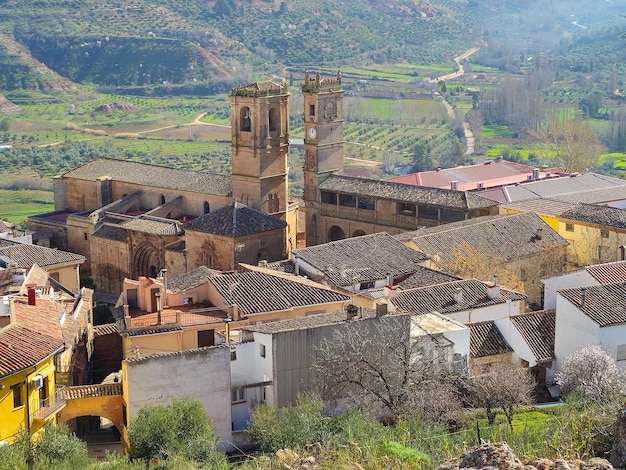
[[597, 196], [103, 330], [601, 215], [440, 297], [111, 232], [608, 273], [257, 292], [154, 176], [458, 200], [189, 280], [508, 237], [283, 266], [426, 277], [235, 220], [153, 330], [152, 225], [22, 347], [486, 340], [537, 329], [312, 321], [361, 259], [42, 317], [25, 255], [604, 304], [543, 206]]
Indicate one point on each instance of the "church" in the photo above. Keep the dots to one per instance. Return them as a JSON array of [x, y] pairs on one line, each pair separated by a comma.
[[132, 219]]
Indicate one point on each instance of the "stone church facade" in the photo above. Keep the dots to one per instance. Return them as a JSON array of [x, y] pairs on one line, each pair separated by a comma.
[[132, 219]]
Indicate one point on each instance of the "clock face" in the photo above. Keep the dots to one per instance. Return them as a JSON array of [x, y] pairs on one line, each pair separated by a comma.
[[312, 132]]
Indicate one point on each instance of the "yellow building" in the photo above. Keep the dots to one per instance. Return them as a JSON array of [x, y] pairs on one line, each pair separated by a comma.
[[28, 347]]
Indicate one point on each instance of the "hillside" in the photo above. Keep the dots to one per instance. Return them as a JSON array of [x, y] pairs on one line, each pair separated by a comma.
[[141, 42]]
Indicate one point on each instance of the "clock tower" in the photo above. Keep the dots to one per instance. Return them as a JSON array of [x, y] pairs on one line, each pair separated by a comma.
[[260, 143], [323, 143]]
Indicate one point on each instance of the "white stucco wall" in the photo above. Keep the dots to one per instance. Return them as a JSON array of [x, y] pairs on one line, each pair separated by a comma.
[[512, 336], [611, 337], [202, 374], [573, 330], [565, 281], [488, 313]]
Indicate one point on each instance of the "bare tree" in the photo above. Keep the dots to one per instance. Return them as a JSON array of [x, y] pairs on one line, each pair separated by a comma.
[[505, 386], [381, 368], [571, 144], [591, 373]]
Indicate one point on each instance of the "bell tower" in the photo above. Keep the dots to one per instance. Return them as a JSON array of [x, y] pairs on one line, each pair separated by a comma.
[[323, 143], [259, 116]]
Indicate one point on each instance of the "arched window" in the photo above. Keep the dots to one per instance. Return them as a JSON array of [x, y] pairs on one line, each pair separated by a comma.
[[162, 199], [272, 120], [245, 119], [207, 208], [273, 202]]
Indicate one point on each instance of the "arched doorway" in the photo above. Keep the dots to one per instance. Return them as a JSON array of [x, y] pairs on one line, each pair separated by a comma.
[[146, 261], [358, 233], [336, 233]]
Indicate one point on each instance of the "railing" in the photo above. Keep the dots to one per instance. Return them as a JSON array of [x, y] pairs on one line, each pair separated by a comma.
[[50, 405]]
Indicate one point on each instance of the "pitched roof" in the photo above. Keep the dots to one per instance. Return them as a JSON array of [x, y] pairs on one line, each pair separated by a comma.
[[22, 347], [486, 340], [361, 259], [441, 297], [24, 255], [542, 206], [589, 187], [153, 225], [195, 278], [155, 176], [509, 237], [257, 292], [608, 273], [446, 198], [604, 304], [595, 214], [537, 329], [490, 173], [426, 277], [235, 220]]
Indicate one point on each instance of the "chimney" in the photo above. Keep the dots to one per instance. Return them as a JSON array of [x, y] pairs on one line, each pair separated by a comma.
[[535, 174], [583, 296], [389, 279], [235, 313], [381, 309], [296, 265], [389, 292], [493, 292], [32, 298], [458, 295], [539, 233], [454, 185], [351, 311], [622, 249]]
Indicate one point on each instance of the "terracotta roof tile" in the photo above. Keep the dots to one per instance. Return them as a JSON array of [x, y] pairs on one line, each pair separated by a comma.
[[25, 255], [595, 214], [608, 273], [361, 259], [257, 292], [195, 278], [235, 220], [604, 304], [22, 347], [458, 200], [426, 277], [440, 297], [153, 176], [537, 329], [486, 340]]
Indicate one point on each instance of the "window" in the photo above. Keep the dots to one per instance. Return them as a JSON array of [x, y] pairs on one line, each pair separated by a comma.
[[366, 203], [428, 212], [329, 198], [85, 235], [206, 338], [237, 395], [162, 199], [273, 203], [569, 227], [366, 285], [604, 233], [311, 110], [245, 123], [406, 209], [272, 120], [207, 208], [262, 350], [18, 399], [347, 200], [621, 352], [233, 355]]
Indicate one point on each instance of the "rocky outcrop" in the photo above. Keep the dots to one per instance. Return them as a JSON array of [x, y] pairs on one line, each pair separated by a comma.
[[113, 107], [500, 456], [6, 107]]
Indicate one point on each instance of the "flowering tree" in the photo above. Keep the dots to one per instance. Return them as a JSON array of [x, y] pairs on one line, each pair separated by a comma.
[[590, 372]]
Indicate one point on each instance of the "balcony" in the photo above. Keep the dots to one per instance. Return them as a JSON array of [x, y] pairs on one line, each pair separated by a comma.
[[50, 406]]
